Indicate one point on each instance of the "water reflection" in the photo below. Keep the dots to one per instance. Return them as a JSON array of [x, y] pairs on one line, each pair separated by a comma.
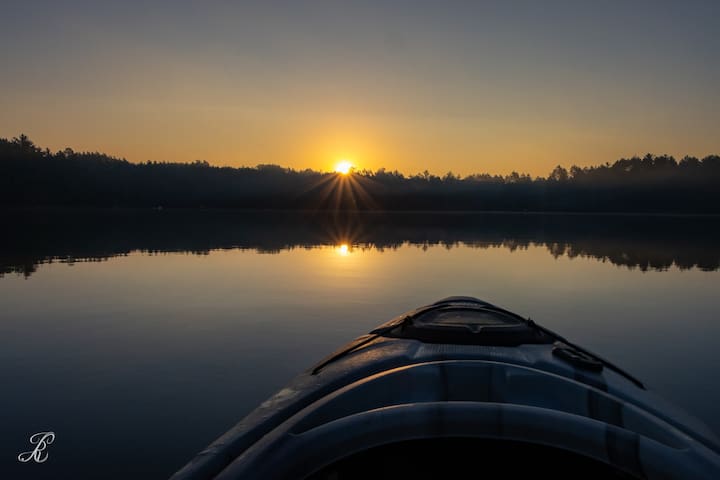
[[637, 242], [168, 352]]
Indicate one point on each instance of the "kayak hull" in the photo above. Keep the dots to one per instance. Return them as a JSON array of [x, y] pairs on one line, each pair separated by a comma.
[[385, 389]]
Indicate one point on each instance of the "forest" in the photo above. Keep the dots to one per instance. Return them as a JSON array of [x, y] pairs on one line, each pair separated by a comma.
[[34, 177]]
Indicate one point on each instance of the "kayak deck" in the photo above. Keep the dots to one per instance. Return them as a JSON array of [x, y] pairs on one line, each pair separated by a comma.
[[501, 382]]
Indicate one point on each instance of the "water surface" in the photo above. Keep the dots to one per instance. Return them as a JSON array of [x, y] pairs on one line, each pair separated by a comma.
[[139, 337]]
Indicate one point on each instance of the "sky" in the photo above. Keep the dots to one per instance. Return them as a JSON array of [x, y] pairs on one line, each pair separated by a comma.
[[462, 86]]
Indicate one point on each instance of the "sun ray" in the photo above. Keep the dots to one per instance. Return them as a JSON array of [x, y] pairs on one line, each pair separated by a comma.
[[366, 200]]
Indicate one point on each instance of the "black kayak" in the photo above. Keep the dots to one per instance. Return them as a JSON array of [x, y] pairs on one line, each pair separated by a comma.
[[462, 386]]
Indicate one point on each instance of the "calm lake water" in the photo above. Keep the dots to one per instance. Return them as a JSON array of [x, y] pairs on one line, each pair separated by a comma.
[[139, 337]]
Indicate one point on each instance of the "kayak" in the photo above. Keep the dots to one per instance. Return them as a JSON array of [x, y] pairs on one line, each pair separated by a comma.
[[462, 386]]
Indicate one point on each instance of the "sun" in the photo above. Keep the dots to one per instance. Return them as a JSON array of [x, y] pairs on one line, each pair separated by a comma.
[[343, 167]]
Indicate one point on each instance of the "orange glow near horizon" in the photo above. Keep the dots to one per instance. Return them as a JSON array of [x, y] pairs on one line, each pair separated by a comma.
[[244, 85]]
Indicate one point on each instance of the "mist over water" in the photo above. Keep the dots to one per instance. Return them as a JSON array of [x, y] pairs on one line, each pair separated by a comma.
[[138, 337]]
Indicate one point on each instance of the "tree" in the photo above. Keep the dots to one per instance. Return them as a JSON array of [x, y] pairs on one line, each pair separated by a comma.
[[559, 174], [26, 145]]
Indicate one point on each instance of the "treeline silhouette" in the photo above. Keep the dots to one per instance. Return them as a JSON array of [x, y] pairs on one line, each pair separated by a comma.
[[645, 242], [31, 176]]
